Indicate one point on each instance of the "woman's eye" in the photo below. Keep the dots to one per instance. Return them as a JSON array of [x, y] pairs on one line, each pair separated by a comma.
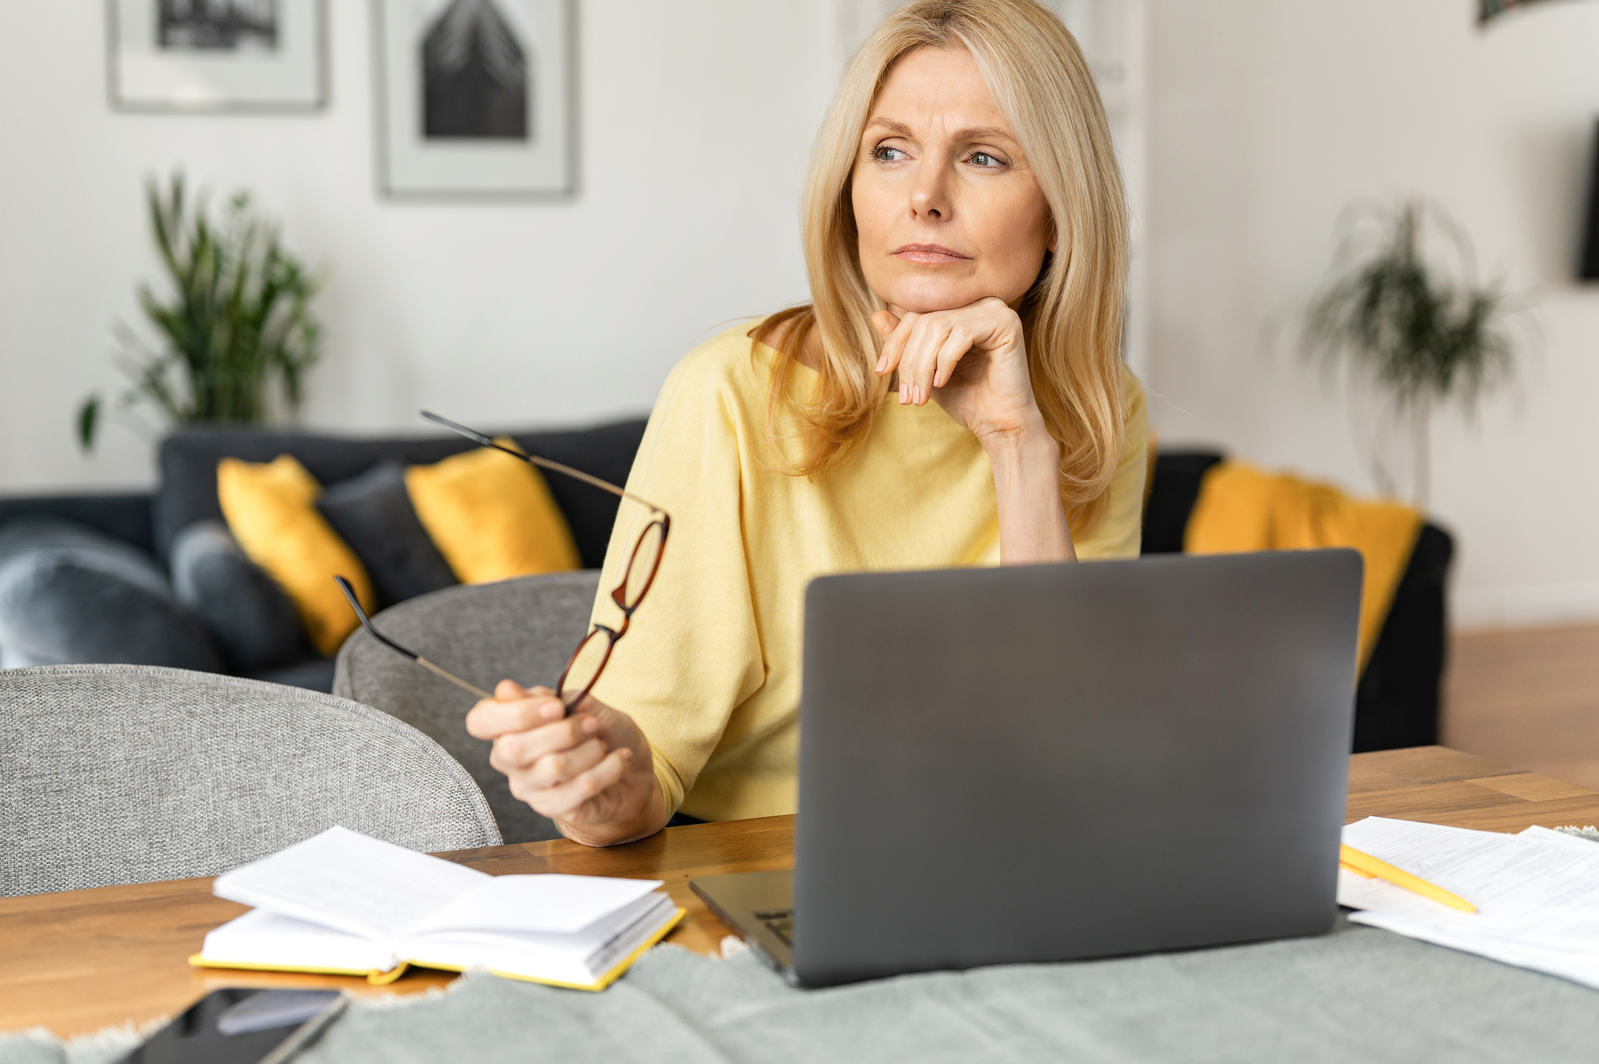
[[885, 154], [983, 159]]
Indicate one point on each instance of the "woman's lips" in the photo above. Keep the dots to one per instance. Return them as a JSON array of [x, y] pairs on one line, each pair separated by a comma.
[[930, 254]]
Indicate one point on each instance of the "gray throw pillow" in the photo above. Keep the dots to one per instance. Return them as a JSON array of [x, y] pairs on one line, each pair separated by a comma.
[[70, 594], [374, 515], [249, 615]]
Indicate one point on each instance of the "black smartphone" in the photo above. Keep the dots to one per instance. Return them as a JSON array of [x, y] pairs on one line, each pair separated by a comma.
[[242, 1025]]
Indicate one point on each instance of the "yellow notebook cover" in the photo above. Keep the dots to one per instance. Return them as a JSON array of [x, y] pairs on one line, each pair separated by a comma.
[[378, 978]]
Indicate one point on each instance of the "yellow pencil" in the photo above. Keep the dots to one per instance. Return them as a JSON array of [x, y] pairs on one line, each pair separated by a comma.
[[1365, 863]]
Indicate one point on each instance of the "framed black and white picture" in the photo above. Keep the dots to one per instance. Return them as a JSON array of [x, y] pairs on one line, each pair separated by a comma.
[[476, 97], [217, 55]]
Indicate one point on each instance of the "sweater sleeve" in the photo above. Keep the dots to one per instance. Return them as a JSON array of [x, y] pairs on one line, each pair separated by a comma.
[[1120, 531], [693, 653]]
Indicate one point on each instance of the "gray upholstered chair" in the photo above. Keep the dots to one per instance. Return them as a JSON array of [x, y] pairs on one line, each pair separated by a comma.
[[131, 773], [524, 629]]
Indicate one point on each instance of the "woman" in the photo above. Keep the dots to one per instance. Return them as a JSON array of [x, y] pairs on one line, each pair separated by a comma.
[[953, 395]]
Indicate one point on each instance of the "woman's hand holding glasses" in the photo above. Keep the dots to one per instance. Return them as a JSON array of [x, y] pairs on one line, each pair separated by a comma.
[[590, 771], [566, 754]]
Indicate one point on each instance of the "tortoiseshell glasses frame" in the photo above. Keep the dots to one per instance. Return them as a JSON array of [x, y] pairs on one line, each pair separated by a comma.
[[588, 661]]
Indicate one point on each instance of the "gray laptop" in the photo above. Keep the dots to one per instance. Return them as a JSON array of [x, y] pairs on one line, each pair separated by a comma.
[[1055, 762]]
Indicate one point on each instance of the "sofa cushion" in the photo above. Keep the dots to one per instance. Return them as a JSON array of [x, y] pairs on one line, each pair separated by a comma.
[[270, 508], [189, 458], [70, 594], [492, 516], [250, 616], [374, 515]]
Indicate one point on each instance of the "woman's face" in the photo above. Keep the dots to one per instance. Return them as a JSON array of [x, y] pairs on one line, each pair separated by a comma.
[[946, 208]]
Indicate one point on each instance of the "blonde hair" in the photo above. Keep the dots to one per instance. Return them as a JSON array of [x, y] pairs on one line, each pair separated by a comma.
[[1074, 312]]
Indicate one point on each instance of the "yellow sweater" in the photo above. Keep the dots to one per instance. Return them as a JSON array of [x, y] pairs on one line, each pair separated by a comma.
[[710, 668]]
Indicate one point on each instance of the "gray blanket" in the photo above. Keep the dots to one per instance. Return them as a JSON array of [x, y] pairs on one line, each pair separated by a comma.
[[1355, 995]]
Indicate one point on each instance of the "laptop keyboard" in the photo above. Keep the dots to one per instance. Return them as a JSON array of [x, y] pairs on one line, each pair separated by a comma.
[[779, 922]]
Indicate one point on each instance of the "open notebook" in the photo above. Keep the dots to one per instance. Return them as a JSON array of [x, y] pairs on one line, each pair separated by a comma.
[[346, 903]]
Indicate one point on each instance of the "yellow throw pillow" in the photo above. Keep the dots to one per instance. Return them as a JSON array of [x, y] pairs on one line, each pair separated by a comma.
[[271, 510], [491, 516]]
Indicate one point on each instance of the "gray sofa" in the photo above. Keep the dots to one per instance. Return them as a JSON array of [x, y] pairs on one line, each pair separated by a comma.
[[92, 578], [1397, 702]]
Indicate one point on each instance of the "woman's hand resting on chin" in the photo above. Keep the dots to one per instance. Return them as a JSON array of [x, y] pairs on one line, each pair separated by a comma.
[[971, 360], [591, 772]]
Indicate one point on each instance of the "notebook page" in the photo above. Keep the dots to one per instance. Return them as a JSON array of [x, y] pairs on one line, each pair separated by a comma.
[[538, 903], [260, 937], [350, 882], [580, 958], [629, 937], [1527, 890]]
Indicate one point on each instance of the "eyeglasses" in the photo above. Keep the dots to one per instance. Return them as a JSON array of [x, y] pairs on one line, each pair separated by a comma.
[[588, 661]]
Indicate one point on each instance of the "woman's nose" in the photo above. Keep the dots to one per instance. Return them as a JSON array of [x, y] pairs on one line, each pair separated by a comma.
[[930, 195]]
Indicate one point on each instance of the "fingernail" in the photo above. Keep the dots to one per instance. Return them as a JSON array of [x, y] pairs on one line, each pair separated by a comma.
[[902, 394], [881, 363], [918, 394]]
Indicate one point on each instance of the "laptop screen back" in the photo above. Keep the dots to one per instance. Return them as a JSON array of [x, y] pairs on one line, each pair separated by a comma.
[[1068, 761]]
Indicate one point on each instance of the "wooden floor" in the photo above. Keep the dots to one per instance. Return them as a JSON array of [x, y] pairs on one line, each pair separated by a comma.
[[1529, 698]]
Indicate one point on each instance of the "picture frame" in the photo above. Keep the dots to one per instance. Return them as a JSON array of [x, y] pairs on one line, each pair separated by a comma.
[[1488, 10], [204, 56], [475, 98]]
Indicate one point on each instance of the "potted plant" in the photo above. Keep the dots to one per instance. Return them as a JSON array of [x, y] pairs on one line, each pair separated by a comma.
[[237, 333], [1424, 337]]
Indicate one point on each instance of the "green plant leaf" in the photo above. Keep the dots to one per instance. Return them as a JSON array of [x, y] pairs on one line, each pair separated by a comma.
[[1425, 336], [88, 422], [232, 319]]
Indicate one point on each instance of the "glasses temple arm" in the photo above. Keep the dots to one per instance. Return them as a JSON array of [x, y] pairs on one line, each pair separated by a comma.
[[488, 441], [366, 623], [456, 680]]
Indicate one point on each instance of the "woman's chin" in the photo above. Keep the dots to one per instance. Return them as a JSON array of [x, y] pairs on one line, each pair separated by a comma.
[[920, 299]]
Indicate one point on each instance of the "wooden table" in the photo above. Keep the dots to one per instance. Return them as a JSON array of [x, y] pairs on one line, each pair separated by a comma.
[[81, 960]]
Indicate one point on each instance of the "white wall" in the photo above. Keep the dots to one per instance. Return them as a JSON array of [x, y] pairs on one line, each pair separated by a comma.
[[1265, 119], [1259, 121], [696, 119]]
